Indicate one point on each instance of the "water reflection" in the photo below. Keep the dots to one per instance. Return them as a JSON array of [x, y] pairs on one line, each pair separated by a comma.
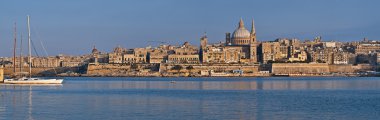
[[239, 85], [30, 104], [18, 99]]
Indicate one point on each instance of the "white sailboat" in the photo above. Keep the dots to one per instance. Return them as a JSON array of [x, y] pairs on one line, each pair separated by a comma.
[[30, 80]]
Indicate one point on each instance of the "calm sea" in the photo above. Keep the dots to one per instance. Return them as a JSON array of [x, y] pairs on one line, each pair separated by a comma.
[[346, 98]]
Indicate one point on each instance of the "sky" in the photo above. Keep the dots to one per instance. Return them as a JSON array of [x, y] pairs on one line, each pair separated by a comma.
[[73, 27]]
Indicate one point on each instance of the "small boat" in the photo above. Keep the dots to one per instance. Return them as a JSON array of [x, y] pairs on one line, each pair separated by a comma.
[[30, 79]]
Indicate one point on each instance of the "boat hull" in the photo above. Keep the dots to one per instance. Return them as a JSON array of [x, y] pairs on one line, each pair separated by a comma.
[[45, 81]]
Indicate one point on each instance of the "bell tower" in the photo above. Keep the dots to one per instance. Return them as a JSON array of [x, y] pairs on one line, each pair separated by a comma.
[[204, 41], [228, 39], [253, 44]]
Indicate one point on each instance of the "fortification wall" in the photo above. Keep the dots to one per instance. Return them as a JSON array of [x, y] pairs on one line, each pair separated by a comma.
[[197, 68], [347, 68], [107, 69], [300, 68]]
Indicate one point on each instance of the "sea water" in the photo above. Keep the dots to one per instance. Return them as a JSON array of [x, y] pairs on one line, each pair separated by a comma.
[[271, 98]]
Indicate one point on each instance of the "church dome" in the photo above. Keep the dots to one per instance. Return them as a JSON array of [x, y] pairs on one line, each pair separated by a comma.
[[241, 36], [241, 32], [118, 49], [94, 50]]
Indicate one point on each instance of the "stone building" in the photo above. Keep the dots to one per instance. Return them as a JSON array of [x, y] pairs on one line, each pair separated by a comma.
[[296, 43], [158, 56], [122, 55], [322, 56], [74, 61], [116, 56], [298, 56], [136, 55], [98, 57], [271, 51], [333, 56], [368, 47], [222, 54], [330, 44], [140, 55], [184, 54], [341, 57], [283, 50], [178, 59], [20, 62], [45, 62]]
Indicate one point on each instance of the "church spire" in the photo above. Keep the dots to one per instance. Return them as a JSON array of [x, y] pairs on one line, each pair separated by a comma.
[[241, 23], [253, 30]]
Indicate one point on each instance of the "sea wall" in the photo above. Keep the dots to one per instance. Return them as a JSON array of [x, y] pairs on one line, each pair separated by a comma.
[[350, 68], [300, 69], [107, 69], [315, 69], [210, 70], [122, 70], [344, 68], [166, 69]]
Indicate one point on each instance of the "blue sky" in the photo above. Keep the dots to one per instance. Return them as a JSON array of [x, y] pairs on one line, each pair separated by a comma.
[[74, 26]]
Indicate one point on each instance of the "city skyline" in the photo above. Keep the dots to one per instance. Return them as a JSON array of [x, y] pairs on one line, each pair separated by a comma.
[[133, 24]]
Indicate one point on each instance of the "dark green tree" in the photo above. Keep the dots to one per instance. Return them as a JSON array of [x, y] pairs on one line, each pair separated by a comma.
[[177, 67]]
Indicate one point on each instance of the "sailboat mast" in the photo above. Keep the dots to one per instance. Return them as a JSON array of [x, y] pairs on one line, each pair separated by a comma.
[[14, 49], [29, 49], [21, 61]]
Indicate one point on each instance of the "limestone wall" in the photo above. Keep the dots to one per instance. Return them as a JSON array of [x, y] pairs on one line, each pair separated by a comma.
[[299, 68], [347, 68], [107, 69], [197, 68]]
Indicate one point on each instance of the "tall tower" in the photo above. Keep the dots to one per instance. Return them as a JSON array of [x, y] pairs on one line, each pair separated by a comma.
[[203, 47], [204, 41], [95, 54], [253, 44], [228, 38]]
